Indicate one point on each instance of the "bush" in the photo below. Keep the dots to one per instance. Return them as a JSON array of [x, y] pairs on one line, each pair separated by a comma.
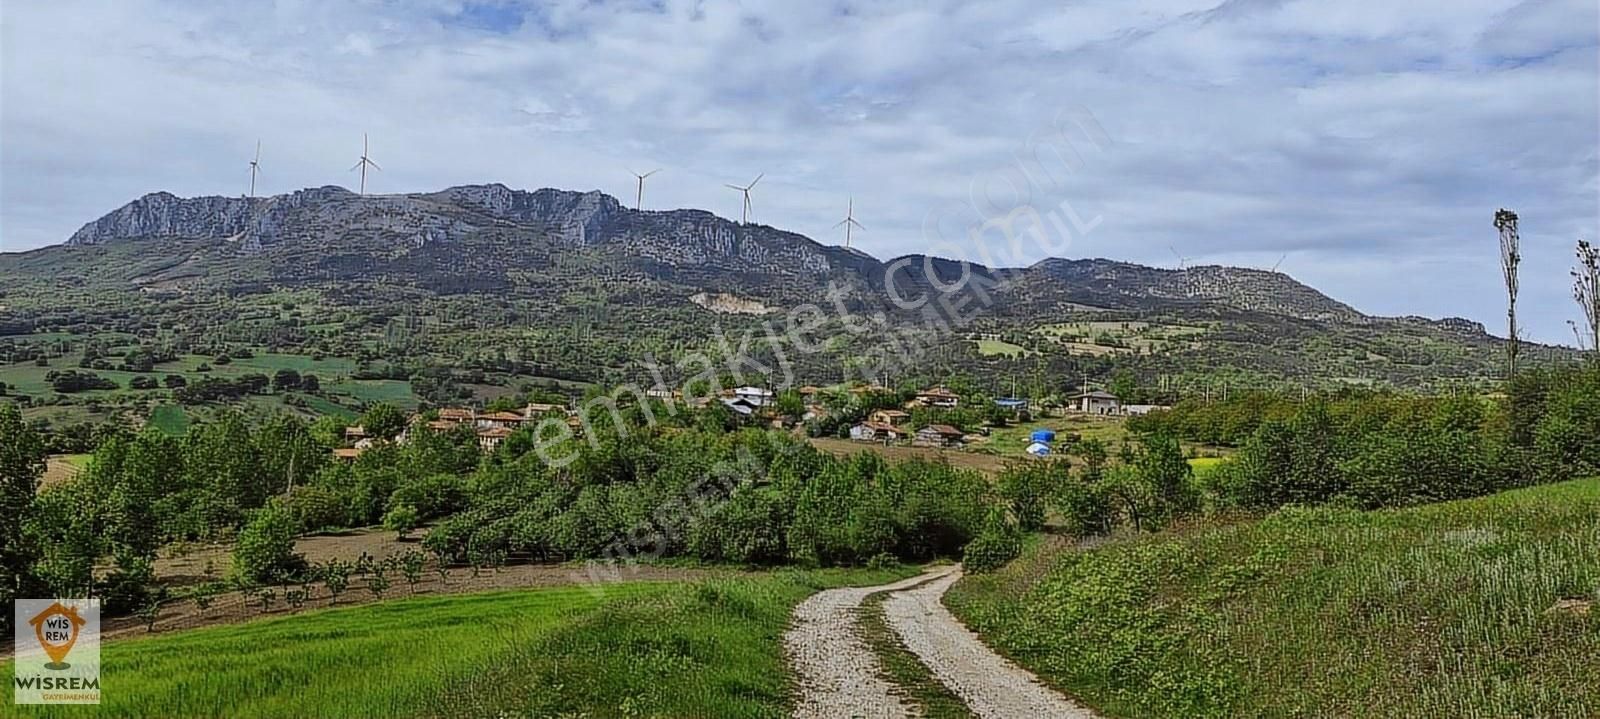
[[265, 551], [400, 519], [998, 543]]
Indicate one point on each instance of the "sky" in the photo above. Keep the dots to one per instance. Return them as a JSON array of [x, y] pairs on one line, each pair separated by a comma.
[[1360, 146]]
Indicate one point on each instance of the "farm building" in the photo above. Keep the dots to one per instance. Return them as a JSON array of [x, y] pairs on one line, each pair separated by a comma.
[[892, 417], [1096, 402], [1012, 404], [939, 397], [1139, 410], [939, 435], [876, 432]]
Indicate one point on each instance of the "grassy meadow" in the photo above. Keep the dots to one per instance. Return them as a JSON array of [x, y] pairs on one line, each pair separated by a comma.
[[706, 649], [1440, 610]]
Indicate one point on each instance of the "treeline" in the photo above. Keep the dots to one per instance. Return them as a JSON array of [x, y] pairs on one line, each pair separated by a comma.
[[683, 487], [1383, 450]]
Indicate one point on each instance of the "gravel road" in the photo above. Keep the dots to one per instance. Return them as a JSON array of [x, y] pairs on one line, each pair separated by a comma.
[[838, 674], [991, 685]]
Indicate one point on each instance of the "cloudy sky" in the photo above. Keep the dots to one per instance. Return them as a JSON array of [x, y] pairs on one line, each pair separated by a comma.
[[1367, 144]]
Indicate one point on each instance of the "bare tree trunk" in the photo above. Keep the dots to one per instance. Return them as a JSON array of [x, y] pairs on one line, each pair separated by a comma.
[[1510, 258]]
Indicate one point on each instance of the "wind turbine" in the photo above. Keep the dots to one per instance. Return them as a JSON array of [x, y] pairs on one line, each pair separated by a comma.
[[1279, 263], [1182, 261], [255, 166], [746, 191], [638, 201], [363, 163], [849, 221]]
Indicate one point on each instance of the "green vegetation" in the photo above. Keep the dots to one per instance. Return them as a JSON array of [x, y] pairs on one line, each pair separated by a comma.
[[709, 648], [930, 696], [1443, 610], [170, 419], [990, 348]]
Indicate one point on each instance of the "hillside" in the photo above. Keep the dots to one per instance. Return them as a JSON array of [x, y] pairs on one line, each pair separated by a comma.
[[1481, 607], [512, 285]]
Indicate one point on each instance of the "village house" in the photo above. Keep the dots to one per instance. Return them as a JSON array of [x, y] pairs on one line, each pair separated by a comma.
[[1095, 402], [489, 439], [876, 432], [756, 396], [346, 455], [940, 397], [501, 420], [459, 415], [891, 417], [356, 433], [938, 435]]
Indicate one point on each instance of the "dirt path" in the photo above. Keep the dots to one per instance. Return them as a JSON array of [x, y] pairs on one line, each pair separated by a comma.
[[837, 672], [992, 686]]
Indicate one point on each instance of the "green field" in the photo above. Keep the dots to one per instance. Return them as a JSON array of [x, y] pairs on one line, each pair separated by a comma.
[[1447, 610], [990, 348], [709, 648]]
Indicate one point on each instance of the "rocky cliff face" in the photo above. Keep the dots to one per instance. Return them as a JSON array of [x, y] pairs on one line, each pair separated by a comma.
[[686, 246]]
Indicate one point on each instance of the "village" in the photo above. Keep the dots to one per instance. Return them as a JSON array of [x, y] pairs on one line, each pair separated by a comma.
[[870, 414]]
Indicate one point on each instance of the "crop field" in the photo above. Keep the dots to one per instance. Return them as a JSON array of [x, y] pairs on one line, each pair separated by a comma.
[[707, 649], [1105, 338], [1483, 607]]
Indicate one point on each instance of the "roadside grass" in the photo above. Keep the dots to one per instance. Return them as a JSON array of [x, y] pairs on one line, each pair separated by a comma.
[[707, 649], [1441, 610], [710, 648], [921, 688]]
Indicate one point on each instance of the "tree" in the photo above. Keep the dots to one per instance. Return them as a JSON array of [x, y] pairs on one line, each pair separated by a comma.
[[22, 455], [1162, 466], [383, 421], [265, 552], [286, 379], [400, 519], [1510, 257], [1586, 291]]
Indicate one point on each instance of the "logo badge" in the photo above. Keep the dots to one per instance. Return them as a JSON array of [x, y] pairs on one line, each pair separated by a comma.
[[57, 651]]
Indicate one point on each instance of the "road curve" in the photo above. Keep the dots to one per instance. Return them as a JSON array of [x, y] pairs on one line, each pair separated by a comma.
[[991, 686], [838, 674]]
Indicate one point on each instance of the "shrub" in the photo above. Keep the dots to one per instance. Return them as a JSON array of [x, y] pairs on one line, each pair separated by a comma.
[[265, 550], [998, 543]]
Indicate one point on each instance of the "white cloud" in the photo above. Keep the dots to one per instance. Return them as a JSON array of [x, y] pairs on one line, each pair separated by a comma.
[[1370, 140]]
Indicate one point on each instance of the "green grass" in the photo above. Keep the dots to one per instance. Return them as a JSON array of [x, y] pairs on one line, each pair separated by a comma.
[[990, 348], [1443, 610], [931, 698], [81, 461], [1011, 441], [708, 648], [171, 419]]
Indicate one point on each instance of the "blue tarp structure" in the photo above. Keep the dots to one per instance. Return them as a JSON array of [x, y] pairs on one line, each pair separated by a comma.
[[1038, 449], [1044, 435]]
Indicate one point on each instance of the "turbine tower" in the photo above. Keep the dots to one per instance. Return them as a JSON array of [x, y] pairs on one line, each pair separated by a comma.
[[1183, 262], [638, 200], [746, 190], [363, 163], [849, 221], [255, 166]]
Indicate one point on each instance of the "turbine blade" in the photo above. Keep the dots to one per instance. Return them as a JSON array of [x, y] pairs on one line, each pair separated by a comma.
[[858, 225], [374, 165], [652, 172], [358, 164], [841, 222], [735, 187], [758, 179]]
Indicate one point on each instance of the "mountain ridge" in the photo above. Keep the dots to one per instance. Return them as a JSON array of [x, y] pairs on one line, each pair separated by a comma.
[[679, 243]]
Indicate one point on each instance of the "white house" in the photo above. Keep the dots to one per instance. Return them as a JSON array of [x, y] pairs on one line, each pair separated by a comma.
[[756, 396], [1096, 402]]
